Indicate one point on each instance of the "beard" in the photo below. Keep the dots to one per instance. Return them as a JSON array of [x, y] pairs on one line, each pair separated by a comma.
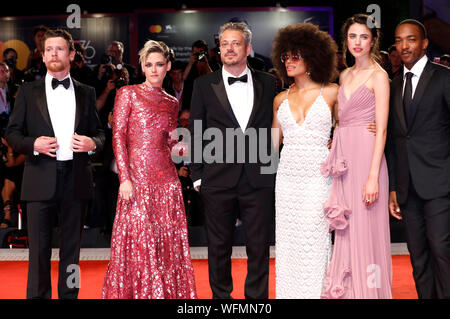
[[56, 66], [230, 61]]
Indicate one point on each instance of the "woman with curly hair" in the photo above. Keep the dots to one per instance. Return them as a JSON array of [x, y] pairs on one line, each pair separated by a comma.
[[303, 115], [357, 208]]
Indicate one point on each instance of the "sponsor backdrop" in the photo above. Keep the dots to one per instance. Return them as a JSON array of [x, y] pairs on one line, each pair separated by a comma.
[[94, 32], [179, 29]]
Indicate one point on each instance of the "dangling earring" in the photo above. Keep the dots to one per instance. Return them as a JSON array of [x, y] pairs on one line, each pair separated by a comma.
[[308, 73]]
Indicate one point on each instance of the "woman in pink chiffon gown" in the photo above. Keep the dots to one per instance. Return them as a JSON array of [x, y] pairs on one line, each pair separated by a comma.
[[150, 255], [357, 209]]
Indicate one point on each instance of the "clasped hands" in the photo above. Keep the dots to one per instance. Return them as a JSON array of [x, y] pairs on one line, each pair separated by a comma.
[[49, 145]]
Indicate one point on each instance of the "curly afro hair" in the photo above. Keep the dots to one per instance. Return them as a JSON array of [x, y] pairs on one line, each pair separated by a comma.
[[317, 48]]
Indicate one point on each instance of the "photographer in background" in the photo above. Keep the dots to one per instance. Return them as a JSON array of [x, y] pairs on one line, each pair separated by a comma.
[[214, 55], [105, 101], [16, 76], [78, 69], [198, 66], [36, 68], [115, 51]]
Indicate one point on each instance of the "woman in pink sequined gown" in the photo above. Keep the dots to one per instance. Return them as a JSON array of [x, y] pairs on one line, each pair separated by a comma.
[[357, 209], [150, 255]]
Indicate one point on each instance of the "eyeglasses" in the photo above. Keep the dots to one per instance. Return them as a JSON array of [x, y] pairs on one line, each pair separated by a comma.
[[295, 57]]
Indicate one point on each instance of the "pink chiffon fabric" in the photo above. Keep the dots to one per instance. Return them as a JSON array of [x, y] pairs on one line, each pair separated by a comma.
[[360, 266], [150, 255]]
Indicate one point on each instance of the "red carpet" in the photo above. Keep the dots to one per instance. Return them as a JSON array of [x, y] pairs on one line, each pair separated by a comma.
[[13, 278]]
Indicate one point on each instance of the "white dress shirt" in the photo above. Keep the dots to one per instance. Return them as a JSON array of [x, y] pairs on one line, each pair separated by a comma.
[[416, 70], [240, 95], [61, 107]]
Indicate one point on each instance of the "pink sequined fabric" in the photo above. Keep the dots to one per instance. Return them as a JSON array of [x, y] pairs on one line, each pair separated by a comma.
[[150, 255]]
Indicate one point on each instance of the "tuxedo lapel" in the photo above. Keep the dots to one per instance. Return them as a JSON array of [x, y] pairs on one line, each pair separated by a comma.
[[420, 92], [40, 96], [257, 96], [219, 89], [79, 102]]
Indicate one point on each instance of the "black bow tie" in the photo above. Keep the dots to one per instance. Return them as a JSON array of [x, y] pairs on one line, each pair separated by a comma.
[[243, 78], [65, 83]]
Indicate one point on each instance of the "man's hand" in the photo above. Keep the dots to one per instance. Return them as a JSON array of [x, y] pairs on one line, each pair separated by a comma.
[[81, 143], [46, 145], [183, 171], [394, 208]]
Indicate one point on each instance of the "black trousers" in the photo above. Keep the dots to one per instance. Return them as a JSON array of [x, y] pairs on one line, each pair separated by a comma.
[[41, 220], [256, 208], [428, 238]]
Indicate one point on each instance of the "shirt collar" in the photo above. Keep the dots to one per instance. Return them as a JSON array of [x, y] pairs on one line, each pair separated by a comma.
[[49, 78], [417, 68], [227, 74]]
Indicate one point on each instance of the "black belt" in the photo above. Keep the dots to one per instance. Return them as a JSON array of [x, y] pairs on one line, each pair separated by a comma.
[[64, 164]]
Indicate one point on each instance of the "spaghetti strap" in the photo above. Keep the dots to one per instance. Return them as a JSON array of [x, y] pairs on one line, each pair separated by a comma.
[[368, 77], [321, 89]]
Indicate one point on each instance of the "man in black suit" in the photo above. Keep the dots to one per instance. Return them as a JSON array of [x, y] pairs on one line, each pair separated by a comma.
[[55, 124], [237, 100], [419, 159]]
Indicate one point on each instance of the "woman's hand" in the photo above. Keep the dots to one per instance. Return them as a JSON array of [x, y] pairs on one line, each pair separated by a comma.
[[370, 191], [126, 190]]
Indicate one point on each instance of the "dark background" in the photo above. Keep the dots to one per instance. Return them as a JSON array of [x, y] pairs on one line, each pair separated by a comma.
[[392, 11]]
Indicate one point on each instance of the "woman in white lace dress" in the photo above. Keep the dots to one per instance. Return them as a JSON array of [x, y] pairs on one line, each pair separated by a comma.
[[303, 115]]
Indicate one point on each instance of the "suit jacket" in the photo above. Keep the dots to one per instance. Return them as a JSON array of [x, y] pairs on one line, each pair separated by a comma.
[[210, 107], [421, 148], [31, 119]]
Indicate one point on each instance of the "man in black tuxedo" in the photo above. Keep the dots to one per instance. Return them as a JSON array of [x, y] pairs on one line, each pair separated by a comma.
[[419, 159], [55, 124], [234, 99]]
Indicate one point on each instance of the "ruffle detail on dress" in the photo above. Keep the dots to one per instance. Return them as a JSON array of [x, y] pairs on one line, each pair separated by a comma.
[[335, 290], [336, 215], [334, 166]]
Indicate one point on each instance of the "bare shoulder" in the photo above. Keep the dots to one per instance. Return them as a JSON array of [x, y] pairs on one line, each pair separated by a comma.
[[380, 75], [331, 88], [343, 75], [330, 92], [279, 99]]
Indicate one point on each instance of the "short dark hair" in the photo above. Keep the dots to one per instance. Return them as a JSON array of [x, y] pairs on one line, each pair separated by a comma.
[[200, 44], [392, 48], [423, 31], [306, 38], [39, 28], [178, 65], [5, 53], [59, 33]]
